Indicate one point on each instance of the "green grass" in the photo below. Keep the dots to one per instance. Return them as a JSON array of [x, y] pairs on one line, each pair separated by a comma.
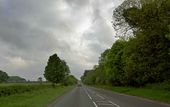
[[153, 93], [7, 90], [39, 98]]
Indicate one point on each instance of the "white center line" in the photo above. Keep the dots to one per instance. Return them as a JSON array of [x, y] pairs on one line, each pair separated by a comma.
[[90, 97], [95, 104], [88, 94]]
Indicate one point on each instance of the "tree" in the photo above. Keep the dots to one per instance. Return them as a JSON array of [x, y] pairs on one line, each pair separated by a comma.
[[56, 70], [3, 76], [70, 80], [142, 56], [168, 36], [123, 29], [145, 57], [40, 80], [114, 64], [16, 79]]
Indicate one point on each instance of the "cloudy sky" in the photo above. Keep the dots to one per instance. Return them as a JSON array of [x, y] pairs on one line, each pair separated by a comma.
[[32, 30]]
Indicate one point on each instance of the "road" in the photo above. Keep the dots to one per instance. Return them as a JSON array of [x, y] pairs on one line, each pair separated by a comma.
[[93, 97]]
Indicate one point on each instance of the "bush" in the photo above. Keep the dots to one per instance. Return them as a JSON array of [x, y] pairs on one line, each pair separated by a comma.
[[17, 89], [160, 86]]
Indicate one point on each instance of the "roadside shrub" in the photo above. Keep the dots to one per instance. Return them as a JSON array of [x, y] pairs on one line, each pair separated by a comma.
[[160, 86], [17, 89]]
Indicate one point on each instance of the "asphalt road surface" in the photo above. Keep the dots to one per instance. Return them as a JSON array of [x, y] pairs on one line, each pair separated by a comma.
[[93, 97]]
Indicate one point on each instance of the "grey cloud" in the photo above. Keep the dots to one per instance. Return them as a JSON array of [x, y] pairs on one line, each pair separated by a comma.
[[96, 47], [77, 3], [101, 36], [32, 30]]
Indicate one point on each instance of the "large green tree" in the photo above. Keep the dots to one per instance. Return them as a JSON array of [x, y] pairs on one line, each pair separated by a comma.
[[56, 70], [3, 76], [145, 57]]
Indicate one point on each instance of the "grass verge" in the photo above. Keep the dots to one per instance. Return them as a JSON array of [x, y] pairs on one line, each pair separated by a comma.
[[157, 94], [39, 98]]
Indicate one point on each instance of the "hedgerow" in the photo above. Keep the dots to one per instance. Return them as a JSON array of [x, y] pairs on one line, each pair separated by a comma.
[[17, 89]]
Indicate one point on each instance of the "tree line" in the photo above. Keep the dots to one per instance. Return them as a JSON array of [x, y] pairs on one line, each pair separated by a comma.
[[141, 55], [4, 78]]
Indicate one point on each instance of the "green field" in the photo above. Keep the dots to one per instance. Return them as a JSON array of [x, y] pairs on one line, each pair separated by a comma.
[[153, 92], [40, 97]]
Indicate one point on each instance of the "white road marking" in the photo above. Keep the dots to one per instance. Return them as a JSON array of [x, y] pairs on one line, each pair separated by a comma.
[[100, 96], [101, 101], [114, 104], [92, 92], [102, 104], [95, 104], [90, 97], [106, 103], [88, 94]]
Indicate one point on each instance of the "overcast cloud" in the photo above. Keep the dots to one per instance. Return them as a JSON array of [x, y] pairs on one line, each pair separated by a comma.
[[32, 30]]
